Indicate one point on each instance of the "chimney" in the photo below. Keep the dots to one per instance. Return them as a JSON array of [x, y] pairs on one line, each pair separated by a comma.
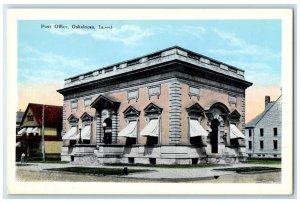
[[267, 100]]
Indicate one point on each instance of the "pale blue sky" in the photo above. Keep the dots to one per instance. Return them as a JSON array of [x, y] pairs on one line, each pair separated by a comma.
[[51, 55]]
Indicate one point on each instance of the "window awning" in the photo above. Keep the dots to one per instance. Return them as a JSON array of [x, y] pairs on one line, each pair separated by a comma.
[[196, 129], [152, 129], [29, 130], [86, 133], [71, 134], [129, 131], [21, 132], [235, 132], [18, 144], [35, 130]]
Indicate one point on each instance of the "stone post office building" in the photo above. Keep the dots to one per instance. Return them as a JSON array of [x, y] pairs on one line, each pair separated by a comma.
[[173, 106]]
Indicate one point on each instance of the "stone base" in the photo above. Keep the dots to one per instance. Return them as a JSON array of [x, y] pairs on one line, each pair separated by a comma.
[[67, 153], [79, 154], [160, 154], [264, 155], [65, 158], [87, 159]]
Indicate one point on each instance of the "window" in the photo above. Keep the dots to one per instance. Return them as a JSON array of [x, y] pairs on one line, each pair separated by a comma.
[[261, 144], [195, 160], [130, 160], [30, 117], [275, 155], [275, 131], [72, 143], [130, 132], [261, 132], [250, 132], [86, 131], [74, 105], [152, 161], [197, 133], [87, 102], [152, 129], [275, 144], [250, 144]]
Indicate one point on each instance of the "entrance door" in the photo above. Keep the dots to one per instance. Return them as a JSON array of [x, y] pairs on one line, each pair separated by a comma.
[[107, 131], [214, 136]]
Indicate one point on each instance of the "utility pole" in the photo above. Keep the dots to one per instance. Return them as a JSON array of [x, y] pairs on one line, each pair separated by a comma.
[[43, 133]]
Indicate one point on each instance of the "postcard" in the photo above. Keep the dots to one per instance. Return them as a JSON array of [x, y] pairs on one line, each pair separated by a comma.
[[149, 101]]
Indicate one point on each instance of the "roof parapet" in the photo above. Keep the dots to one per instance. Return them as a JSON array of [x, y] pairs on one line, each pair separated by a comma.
[[153, 59]]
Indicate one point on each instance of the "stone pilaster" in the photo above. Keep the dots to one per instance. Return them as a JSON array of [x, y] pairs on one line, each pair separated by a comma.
[[175, 112], [114, 130], [98, 128], [243, 115], [64, 120]]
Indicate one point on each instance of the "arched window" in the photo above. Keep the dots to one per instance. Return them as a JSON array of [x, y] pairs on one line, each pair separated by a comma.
[[107, 126]]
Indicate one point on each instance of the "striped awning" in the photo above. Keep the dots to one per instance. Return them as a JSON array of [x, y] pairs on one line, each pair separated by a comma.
[[196, 129], [35, 130], [71, 134], [29, 130], [152, 129], [22, 131], [18, 144], [85, 133], [235, 132], [129, 131]]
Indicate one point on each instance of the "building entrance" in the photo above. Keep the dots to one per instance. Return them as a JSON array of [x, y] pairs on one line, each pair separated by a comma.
[[107, 139], [214, 136]]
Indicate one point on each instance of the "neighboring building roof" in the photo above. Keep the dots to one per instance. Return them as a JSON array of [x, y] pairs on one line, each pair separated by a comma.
[[52, 114], [19, 116], [254, 121]]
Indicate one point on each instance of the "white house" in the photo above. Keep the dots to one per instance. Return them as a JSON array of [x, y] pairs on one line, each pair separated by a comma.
[[263, 133]]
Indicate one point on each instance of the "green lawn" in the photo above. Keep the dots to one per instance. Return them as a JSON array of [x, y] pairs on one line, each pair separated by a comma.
[[97, 171], [19, 164], [170, 166], [263, 161], [47, 161], [250, 169]]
